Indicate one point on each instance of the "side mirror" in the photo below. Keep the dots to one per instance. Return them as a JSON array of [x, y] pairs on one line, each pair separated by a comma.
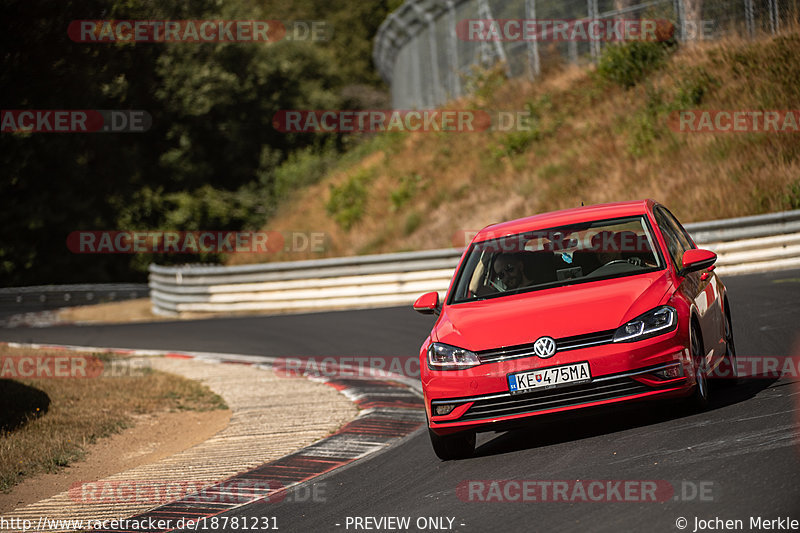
[[697, 259], [427, 304]]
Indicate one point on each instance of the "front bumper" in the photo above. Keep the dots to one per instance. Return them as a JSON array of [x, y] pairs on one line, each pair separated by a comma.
[[620, 372]]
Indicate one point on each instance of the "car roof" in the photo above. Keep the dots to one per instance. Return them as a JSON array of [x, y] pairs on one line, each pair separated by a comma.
[[565, 217]]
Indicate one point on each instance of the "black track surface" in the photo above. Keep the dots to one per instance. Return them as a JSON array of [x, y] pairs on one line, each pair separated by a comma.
[[744, 451]]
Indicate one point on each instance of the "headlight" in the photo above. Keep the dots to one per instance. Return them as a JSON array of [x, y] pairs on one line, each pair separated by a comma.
[[654, 322], [446, 357]]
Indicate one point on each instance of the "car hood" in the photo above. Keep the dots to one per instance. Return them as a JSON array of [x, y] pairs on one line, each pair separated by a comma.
[[557, 312]]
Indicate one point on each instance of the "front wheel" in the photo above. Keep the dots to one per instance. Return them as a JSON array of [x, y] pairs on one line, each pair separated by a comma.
[[699, 398], [456, 446], [728, 371]]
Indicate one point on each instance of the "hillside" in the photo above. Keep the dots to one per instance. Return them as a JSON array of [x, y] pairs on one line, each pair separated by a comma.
[[594, 140]]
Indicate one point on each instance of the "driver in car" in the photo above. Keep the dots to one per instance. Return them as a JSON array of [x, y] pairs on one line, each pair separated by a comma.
[[509, 272], [606, 247]]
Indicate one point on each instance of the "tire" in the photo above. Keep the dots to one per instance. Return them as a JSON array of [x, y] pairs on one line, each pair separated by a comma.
[[698, 401], [727, 367], [450, 447]]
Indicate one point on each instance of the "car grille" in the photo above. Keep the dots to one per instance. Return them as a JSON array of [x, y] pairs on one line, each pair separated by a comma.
[[508, 404], [562, 345]]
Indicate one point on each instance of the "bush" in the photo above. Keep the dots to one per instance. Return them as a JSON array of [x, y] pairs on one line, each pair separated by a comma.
[[348, 201], [303, 167], [693, 89], [413, 222], [628, 64], [409, 185], [792, 196]]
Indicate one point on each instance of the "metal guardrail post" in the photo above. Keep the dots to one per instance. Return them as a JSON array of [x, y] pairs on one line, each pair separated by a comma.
[[533, 45], [774, 18], [452, 51], [593, 13], [749, 17]]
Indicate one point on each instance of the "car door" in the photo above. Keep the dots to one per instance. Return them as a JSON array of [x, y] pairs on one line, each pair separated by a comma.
[[698, 287]]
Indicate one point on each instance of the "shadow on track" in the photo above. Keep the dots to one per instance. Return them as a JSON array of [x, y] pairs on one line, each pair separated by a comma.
[[549, 430]]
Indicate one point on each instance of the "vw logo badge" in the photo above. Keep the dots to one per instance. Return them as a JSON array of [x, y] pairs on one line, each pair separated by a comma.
[[544, 347]]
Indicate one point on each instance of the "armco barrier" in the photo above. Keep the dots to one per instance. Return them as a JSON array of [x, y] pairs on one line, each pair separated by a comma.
[[16, 300], [348, 282], [749, 244]]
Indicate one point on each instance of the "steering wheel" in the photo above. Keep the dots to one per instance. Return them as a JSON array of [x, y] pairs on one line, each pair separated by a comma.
[[609, 268]]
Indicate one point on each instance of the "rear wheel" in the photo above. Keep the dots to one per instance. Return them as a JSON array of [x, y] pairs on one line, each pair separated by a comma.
[[699, 398], [456, 446]]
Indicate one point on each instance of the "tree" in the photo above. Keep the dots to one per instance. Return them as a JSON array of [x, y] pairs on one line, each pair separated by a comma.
[[211, 155]]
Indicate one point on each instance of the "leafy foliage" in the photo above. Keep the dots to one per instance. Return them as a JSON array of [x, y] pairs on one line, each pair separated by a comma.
[[629, 63], [406, 190], [211, 159], [348, 201], [792, 196]]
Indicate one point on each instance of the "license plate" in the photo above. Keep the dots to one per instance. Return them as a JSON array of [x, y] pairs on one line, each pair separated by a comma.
[[545, 378]]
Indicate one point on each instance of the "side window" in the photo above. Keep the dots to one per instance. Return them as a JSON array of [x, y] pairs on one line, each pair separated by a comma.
[[683, 236], [675, 244]]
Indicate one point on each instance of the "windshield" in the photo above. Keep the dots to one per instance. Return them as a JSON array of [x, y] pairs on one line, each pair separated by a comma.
[[556, 256]]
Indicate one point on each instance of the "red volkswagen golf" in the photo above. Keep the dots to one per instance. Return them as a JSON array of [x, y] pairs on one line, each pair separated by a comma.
[[572, 309]]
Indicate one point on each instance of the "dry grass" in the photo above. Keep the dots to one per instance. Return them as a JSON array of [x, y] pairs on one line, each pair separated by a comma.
[[138, 310], [47, 423], [595, 143]]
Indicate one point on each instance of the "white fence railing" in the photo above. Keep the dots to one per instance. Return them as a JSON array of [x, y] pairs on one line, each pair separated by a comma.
[[749, 244]]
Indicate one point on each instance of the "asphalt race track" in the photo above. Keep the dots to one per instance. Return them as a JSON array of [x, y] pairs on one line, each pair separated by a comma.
[[386, 332], [739, 459]]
